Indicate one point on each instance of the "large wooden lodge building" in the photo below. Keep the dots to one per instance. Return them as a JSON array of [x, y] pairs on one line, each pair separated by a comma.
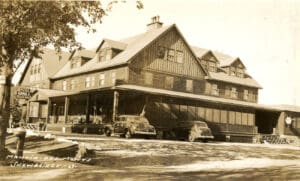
[[157, 72]]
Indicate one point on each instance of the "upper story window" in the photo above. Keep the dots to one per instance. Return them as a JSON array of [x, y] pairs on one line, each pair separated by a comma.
[[189, 85], [232, 71], [214, 89], [113, 78], [170, 54], [102, 79], [148, 78], [93, 81], [233, 92], [35, 70], [240, 72], [105, 54], [169, 82], [76, 62], [88, 82], [246, 94], [64, 85], [212, 66], [72, 84], [179, 56]]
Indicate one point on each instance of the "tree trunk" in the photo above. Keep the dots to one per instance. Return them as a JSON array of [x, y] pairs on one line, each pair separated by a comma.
[[4, 106]]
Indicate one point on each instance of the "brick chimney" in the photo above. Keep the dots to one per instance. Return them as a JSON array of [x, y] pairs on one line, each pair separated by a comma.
[[155, 23]]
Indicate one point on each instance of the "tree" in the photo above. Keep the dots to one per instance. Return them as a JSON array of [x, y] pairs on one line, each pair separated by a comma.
[[26, 26]]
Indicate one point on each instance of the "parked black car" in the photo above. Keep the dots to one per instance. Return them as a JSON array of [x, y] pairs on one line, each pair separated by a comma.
[[193, 130], [131, 125]]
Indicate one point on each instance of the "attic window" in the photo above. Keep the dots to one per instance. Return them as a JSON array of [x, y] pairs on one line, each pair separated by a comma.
[[76, 62], [170, 54]]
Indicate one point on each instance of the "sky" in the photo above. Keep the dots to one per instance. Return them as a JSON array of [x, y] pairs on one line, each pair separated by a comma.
[[264, 34]]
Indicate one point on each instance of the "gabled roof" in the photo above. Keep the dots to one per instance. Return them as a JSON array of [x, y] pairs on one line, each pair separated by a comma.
[[113, 44], [51, 60], [200, 52], [224, 59], [135, 44], [221, 76]]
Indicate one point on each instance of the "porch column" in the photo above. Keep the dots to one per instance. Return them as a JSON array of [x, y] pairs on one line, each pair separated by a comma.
[[115, 106], [48, 111], [87, 108], [66, 112], [27, 111]]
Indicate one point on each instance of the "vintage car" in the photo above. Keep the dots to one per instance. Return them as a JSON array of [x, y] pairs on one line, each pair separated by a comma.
[[193, 130], [131, 125]]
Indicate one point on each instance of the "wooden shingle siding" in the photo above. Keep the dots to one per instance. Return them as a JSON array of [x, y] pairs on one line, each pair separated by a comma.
[[149, 58]]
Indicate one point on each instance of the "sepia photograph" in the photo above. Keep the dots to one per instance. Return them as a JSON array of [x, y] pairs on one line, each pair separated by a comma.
[[149, 90]]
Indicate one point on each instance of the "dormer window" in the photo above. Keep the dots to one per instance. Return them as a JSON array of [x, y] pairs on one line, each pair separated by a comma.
[[240, 72], [105, 54], [212, 67], [232, 71]]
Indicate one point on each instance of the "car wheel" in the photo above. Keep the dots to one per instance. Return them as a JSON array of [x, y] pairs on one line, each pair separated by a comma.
[[107, 132], [127, 134]]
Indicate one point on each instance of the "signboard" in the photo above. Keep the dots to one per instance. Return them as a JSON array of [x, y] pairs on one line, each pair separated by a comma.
[[23, 93]]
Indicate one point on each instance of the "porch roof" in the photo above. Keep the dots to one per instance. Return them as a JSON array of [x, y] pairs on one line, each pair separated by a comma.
[[197, 97], [44, 94]]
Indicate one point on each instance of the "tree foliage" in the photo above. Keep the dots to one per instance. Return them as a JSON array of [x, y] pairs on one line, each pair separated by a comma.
[[26, 26]]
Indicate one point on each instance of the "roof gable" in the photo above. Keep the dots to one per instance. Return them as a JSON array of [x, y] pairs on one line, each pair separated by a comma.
[[112, 44], [155, 56], [134, 45], [51, 62]]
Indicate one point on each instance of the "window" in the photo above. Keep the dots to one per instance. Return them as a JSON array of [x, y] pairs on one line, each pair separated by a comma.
[[101, 79], [214, 89], [169, 82], [93, 81], [64, 85], [232, 71], [108, 54], [240, 72], [212, 67], [101, 55], [179, 56], [233, 92], [113, 78], [148, 78], [171, 55], [105, 54], [246, 94], [189, 85], [72, 84], [87, 82]]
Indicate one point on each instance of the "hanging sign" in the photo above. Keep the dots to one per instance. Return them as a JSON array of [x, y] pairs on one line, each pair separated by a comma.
[[23, 93]]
